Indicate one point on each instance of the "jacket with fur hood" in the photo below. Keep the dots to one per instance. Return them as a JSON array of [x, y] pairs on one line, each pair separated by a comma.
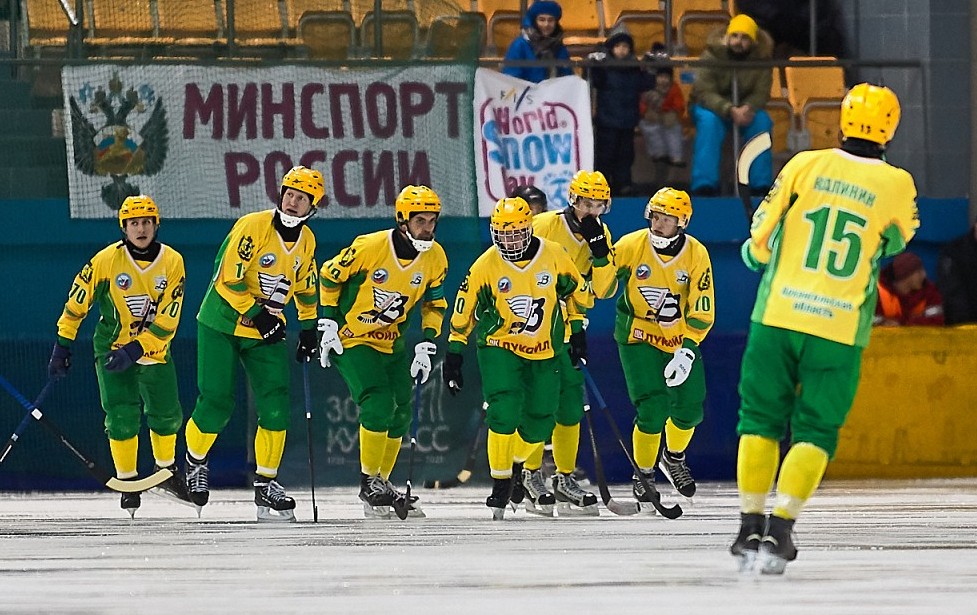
[[713, 87]]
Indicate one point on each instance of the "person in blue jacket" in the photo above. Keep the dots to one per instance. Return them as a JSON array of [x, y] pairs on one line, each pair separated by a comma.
[[541, 39]]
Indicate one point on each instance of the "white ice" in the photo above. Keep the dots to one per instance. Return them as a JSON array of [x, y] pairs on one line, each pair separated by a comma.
[[865, 548]]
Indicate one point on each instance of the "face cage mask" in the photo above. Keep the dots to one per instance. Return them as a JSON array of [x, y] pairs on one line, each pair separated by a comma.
[[504, 239]]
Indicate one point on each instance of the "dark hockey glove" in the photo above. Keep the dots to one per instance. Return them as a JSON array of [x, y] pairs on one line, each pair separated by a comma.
[[578, 348], [271, 327], [123, 358], [60, 361], [308, 347], [451, 372], [593, 231]]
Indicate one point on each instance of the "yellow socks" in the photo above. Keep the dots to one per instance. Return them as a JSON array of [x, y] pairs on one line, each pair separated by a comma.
[[645, 448], [800, 475], [566, 440], [124, 456], [268, 449], [391, 450], [500, 450], [373, 445], [530, 454], [164, 449], [756, 467], [198, 442], [677, 440]]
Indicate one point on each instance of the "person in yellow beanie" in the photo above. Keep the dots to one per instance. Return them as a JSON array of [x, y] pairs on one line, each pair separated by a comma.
[[714, 108]]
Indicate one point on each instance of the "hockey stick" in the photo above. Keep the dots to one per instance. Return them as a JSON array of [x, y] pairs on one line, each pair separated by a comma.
[[618, 508], [466, 469], [753, 149], [402, 507], [308, 424], [113, 483], [23, 422], [669, 512]]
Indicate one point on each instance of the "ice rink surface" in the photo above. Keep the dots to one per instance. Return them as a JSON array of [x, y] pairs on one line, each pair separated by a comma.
[[865, 548]]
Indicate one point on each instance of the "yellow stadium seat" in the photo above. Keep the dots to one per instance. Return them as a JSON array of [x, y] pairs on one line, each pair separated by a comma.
[[47, 24], [782, 114], [328, 35], [399, 34], [581, 23], [257, 23], [504, 24], [646, 26], [456, 36], [694, 28], [681, 7], [813, 82], [121, 22], [181, 24]]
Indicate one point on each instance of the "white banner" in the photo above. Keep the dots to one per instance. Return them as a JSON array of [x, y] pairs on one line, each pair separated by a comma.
[[530, 133], [214, 142]]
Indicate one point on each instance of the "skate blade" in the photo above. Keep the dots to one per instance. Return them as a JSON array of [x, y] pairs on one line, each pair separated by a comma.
[[269, 515], [169, 495], [498, 514], [646, 507], [770, 564], [746, 562], [567, 509], [543, 510], [376, 512], [415, 512], [132, 512]]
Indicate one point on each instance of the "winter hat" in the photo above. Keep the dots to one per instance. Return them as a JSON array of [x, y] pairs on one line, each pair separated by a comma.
[[542, 7], [618, 35], [742, 24], [659, 52], [904, 265]]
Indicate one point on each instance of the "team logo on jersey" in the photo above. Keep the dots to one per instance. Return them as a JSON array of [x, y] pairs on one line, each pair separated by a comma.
[[268, 283], [245, 248], [388, 307], [140, 307], [543, 279], [380, 276], [267, 260], [682, 277], [504, 285], [642, 272], [638, 334], [417, 279], [86, 273], [663, 306], [347, 257], [123, 281], [160, 283], [530, 313], [705, 280]]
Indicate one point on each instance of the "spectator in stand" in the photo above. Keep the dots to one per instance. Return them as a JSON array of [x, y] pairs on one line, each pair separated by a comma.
[[541, 39], [714, 110], [662, 111], [618, 87], [957, 278], [906, 296]]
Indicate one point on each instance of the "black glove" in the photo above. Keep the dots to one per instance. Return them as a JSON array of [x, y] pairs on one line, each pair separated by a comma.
[[123, 358], [593, 231], [60, 361], [578, 348], [451, 372], [308, 347], [271, 327]]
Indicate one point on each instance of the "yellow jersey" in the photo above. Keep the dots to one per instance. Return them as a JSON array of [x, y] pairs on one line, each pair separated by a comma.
[[598, 273]]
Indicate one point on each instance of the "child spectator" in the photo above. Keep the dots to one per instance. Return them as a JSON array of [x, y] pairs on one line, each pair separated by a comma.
[[662, 113], [618, 88], [906, 297]]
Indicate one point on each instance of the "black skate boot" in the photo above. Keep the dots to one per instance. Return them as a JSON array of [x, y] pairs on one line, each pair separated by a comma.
[[539, 500], [641, 494], [777, 546], [571, 499], [501, 489], [272, 503], [747, 542], [197, 479], [518, 493], [674, 468], [400, 501], [130, 503], [377, 498], [175, 487]]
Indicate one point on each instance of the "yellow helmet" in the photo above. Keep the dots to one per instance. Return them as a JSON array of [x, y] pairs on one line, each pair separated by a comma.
[[590, 185], [671, 202], [870, 112], [140, 206], [512, 227], [306, 180], [415, 200]]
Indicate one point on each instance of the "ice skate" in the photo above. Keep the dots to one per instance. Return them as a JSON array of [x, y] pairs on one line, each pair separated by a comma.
[[130, 503], [497, 501], [776, 546], [518, 493], [747, 542], [539, 500], [640, 494], [174, 488], [273, 505], [674, 468], [376, 498], [413, 509], [197, 481], [571, 500]]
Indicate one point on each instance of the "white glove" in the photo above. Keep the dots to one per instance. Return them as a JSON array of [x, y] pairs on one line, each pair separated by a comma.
[[679, 368], [422, 360], [597, 55], [276, 302], [329, 340]]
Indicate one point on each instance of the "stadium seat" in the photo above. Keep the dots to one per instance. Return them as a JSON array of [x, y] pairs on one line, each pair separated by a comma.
[[815, 94], [645, 25], [399, 33], [782, 114], [694, 28], [328, 35], [257, 23], [504, 24], [121, 23], [582, 25], [47, 24], [456, 36], [180, 24], [682, 7]]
